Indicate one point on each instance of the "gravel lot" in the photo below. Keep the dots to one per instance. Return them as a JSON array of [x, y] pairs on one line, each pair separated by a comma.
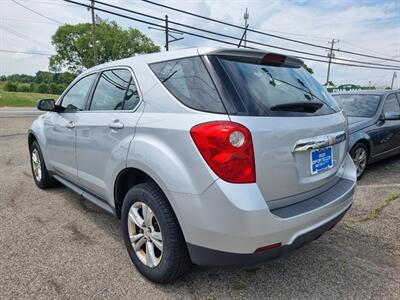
[[55, 245]]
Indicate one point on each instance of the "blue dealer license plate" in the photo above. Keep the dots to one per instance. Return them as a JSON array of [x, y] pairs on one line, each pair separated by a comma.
[[321, 160]]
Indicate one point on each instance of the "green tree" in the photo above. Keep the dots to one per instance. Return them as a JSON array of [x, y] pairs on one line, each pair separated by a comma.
[[53, 88], [308, 69], [10, 86], [43, 77], [22, 78], [73, 44], [60, 88], [23, 87], [42, 88]]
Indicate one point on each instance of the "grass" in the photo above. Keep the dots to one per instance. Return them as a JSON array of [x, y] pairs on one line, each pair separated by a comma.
[[377, 211], [19, 99]]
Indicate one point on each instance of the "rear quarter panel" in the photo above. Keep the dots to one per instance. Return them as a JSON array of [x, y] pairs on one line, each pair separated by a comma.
[[163, 148]]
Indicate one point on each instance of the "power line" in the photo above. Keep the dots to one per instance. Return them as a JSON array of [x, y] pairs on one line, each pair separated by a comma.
[[215, 39], [237, 38], [25, 21], [25, 52], [38, 13], [50, 2], [352, 45], [22, 36], [306, 36], [267, 34]]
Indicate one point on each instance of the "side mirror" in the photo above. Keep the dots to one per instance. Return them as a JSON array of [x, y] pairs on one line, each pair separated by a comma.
[[46, 105], [391, 116]]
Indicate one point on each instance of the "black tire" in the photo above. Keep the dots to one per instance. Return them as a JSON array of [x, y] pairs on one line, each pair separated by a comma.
[[175, 259], [45, 181], [353, 153]]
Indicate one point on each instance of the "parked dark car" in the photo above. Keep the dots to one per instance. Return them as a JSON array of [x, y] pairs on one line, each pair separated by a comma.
[[374, 124]]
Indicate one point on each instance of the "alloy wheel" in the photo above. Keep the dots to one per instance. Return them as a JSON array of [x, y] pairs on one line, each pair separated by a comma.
[[360, 160], [145, 234], [36, 165]]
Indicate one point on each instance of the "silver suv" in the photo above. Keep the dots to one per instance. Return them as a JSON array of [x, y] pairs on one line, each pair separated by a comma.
[[211, 156]]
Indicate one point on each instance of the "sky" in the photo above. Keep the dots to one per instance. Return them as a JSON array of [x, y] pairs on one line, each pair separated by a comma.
[[367, 26]]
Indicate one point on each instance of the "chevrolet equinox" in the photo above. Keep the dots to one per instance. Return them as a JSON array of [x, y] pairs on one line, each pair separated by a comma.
[[208, 156]]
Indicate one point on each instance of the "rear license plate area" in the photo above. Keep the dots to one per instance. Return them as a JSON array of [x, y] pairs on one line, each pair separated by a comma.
[[321, 160]]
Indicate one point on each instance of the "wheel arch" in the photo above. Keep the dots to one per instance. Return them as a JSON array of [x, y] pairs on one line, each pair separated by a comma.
[[366, 143], [31, 138], [131, 176], [128, 178]]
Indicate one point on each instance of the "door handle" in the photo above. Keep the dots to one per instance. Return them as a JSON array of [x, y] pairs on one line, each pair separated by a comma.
[[70, 125], [116, 125]]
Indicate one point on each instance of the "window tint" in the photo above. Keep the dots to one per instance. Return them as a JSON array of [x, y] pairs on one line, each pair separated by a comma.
[[358, 105], [110, 90], [75, 98], [188, 80], [132, 96], [391, 105], [263, 89]]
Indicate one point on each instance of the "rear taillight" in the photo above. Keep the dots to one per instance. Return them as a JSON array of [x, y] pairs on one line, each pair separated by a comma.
[[228, 150]]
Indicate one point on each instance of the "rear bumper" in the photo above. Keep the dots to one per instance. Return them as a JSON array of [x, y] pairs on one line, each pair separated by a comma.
[[209, 257], [233, 220]]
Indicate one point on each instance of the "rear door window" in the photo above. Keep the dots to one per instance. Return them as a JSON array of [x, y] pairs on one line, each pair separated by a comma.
[[132, 96], [188, 80], [391, 105]]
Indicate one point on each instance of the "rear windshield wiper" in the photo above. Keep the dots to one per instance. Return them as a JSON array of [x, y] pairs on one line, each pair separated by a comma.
[[306, 88], [308, 107], [169, 76]]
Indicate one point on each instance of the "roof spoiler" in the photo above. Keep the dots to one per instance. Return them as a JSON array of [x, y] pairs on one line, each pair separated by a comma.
[[259, 58]]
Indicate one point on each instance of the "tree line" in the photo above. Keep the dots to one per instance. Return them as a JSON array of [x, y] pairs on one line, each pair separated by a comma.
[[41, 82], [74, 48]]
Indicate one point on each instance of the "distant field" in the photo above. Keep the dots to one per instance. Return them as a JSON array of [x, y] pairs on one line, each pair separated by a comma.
[[18, 99]]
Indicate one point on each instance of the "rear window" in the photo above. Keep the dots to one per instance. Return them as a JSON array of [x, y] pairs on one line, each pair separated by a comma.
[[188, 80], [359, 105], [277, 90]]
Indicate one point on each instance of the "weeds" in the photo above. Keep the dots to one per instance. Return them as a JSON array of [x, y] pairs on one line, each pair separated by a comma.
[[377, 211]]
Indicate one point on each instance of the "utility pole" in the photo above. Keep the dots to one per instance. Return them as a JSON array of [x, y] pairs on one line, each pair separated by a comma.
[[394, 76], [169, 34], [166, 33], [94, 34], [246, 17], [330, 56]]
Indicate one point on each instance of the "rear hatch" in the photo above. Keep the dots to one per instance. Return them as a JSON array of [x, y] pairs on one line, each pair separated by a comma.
[[284, 174], [298, 132]]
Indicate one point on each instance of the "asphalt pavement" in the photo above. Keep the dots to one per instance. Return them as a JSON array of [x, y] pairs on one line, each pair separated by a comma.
[[56, 245]]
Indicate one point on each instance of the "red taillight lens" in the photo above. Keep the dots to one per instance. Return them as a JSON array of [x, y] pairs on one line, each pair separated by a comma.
[[228, 150]]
